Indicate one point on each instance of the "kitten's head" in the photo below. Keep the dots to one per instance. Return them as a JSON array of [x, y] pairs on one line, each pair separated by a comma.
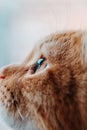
[[50, 86]]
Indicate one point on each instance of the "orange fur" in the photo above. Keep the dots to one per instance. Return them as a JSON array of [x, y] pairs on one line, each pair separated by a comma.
[[55, 98]]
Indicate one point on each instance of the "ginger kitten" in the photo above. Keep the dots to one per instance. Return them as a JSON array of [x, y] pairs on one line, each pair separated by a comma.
[[48, 91]]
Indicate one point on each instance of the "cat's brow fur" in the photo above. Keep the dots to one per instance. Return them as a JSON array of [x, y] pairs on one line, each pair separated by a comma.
[[54, 98]]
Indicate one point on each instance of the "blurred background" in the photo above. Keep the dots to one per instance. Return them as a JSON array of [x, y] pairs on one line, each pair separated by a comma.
[[24, 22]]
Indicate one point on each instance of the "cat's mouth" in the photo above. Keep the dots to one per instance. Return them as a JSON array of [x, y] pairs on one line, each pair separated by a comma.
[[24, 124], [13, 109], [10, 108]]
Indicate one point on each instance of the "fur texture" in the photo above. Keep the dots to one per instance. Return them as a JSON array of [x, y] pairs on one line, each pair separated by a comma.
[[54, 97]]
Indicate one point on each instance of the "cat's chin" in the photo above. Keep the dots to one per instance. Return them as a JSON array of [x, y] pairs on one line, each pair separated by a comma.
[[14, 123]]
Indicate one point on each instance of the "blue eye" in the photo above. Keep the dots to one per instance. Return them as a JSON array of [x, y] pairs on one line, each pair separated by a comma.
[[38, 63]]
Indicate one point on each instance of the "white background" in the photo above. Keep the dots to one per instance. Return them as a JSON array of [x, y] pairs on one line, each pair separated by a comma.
[[24, 22]]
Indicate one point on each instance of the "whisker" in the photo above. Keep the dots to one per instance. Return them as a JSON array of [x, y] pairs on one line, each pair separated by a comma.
[[19, 112]]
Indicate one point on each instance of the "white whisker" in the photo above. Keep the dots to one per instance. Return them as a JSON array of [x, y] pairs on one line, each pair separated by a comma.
[[19, 113]]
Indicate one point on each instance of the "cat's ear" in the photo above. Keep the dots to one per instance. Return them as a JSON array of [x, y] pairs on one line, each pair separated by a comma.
[[84, 47]]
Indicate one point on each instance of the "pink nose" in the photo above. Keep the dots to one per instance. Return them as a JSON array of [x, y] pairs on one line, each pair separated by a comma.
[[2, 77], [2, 73]]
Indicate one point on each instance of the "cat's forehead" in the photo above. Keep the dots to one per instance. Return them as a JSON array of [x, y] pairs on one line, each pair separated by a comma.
[[53, 45], [41, 49]]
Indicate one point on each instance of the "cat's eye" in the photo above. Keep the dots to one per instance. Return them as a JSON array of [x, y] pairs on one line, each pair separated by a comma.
[[38, 63]]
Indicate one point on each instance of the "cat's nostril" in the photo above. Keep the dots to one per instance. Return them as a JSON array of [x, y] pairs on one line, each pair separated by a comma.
[[2, 77]]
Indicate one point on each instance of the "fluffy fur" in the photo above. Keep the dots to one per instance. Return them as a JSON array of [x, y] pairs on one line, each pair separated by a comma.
[[54, 97]]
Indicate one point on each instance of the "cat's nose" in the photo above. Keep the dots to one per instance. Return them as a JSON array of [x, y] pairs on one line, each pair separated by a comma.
[[8, 70], [2, 73]]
